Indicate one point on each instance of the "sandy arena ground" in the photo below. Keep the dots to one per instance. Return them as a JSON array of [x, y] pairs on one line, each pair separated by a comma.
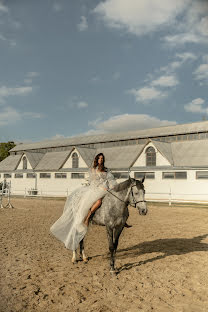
[[162, 262]]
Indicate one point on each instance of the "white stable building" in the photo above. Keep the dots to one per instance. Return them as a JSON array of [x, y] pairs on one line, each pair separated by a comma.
[[174, 160]]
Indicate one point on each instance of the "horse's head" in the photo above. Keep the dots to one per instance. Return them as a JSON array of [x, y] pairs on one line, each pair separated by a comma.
[[137, 196]]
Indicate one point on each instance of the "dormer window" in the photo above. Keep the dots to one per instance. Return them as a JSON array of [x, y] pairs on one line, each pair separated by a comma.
[[75, 160], [150, 156], [24, 160]]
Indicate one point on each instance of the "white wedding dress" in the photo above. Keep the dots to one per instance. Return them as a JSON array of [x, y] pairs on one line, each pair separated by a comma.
[[69, 228]]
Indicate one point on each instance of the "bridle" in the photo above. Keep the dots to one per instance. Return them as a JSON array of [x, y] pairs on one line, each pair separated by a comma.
[[132, 194], [135, 202]]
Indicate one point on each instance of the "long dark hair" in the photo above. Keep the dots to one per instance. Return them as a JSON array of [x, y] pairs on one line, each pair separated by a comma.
[[102, 166]]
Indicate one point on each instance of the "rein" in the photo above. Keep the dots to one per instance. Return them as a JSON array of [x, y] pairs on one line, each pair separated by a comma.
[[123, 201]]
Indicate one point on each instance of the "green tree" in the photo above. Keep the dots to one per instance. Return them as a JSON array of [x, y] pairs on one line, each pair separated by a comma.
[[4, 149]]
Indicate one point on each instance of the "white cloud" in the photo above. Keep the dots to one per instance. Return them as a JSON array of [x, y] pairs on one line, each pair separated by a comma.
[[127, 122], [205, 58], [82, 104], [187, 19], [186, 56], [30, 76], [195, 106], [147, 93], [95, 79], [194, 26], [154, 88], [201, 73], [5, 91], [181, 58], [32, 115], [140, 17], [116, 76], [165, 81], [11, 42], [3, 8], [75, 102], [57, 137], [57, 7], [9, 115], [82, 26]]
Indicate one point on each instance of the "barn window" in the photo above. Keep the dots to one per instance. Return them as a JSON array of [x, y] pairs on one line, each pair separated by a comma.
[[121, 175], [150, 156], [140, 175], [60, 175], [201, 174], [75, 160], [31, 175], [174, 175], [24, 160], [18, 175], [45, 175], [77, 175], [7, 175]]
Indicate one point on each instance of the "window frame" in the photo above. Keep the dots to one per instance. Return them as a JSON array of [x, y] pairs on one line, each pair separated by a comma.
[[201, 178], [45, 177], [7, 177], [63, 175], [174, 175], [150, 156], [24, 163], [145, 174], [77, 175], [118, 175], [18, 175], [75, 160], [31, 173]]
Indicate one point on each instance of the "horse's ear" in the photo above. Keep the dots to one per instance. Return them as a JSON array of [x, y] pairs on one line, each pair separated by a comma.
[[143, 179]]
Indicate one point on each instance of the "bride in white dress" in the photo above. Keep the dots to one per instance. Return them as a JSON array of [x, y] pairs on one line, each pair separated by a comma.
[[72, 226]]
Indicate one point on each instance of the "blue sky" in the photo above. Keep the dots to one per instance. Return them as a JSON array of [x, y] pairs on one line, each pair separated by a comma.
[[88, 66]]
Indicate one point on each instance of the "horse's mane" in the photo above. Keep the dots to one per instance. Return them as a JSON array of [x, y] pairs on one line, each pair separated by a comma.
[[122, 186]]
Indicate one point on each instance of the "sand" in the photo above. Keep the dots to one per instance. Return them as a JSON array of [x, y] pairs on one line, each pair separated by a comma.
[[162, 262]]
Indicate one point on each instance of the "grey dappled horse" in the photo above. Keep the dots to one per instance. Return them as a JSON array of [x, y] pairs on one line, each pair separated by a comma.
[[113, 213]]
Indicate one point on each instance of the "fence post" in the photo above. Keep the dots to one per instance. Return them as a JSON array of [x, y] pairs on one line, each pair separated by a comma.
[[25, 192], [170, 197]]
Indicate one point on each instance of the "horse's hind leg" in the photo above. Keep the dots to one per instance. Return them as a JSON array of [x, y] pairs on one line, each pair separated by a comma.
[[82, 252], [111, 248]]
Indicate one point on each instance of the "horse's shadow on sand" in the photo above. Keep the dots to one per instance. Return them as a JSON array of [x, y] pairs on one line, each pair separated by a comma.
[[169, 247]]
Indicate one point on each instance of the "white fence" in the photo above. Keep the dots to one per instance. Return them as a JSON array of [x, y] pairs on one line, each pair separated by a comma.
[[168, 197]]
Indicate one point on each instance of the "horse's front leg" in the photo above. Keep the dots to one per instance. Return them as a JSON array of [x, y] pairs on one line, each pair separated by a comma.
[[74, 257], [82, 252], [117, 234], [111, 248]]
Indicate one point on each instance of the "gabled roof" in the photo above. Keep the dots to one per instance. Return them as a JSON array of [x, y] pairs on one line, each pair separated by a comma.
[[145, 133], [190, 153], [10, 163], [87, 154], [165, 149], [52, 160], [121, 156], [34, 158]]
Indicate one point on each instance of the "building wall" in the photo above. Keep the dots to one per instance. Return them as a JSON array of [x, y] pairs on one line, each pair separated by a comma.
[[68, 163], [160, 159], [20, 166]]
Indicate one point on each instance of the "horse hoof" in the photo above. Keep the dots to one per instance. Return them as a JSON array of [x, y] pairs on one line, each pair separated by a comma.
[[112, 271], [85, 260], [74, 261]]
